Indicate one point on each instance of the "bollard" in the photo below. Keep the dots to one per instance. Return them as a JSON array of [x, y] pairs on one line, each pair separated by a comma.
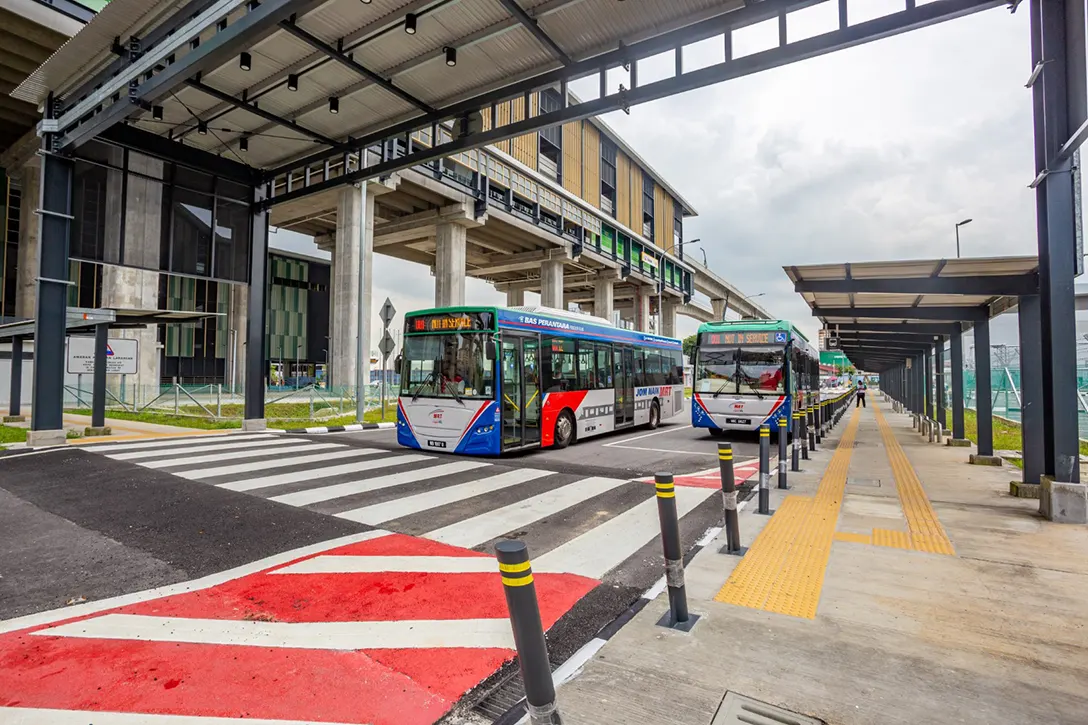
[[795, 460], [729, 501], [678, 616], [931, 429], [810, 424], [818, 424], [532, 648], [803, 415], [783, 434], [940, 431], [764, 469]]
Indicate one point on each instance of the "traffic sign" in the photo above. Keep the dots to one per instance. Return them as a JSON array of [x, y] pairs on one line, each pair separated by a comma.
[[832, 343], [388, 312], [387, 345]]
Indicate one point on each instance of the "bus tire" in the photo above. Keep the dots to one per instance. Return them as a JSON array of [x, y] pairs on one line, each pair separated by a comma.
[[565, 429], [717, 432], [655, 415]]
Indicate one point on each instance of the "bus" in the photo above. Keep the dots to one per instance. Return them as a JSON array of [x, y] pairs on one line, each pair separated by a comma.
[[489, 380], [748, 373]]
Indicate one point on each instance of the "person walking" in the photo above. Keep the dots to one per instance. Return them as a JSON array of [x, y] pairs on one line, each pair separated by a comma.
[[861, 395]]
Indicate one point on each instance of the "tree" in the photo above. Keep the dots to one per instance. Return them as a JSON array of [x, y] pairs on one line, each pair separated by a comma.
[[689, 346]]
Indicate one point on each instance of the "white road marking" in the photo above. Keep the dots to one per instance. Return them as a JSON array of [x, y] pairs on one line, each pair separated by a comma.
[[207, 582], [663, 450], [218, 447], [172, 442], [197, 474], [340, 490], [620, 442], [41, 716], [312, 475], [606, 546], [345, 636], [340, 564], [397, 508], [478, 529], [303, 447]]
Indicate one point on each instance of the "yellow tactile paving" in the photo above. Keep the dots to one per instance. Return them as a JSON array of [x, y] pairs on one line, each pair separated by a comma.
[[891, 538], [783, 570], [925, 530], [853, 538]]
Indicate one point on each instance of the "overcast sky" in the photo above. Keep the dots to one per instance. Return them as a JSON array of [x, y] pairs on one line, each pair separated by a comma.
[[870, 153]]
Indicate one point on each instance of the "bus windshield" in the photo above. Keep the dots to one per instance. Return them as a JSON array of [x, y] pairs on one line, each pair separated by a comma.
[[450, 365], [740, 370]]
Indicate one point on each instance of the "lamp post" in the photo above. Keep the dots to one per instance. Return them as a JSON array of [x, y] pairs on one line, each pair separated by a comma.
[[958, 225]]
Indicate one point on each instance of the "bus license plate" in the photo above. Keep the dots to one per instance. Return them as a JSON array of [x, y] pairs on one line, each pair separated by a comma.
[[436, 444], [738, 421]]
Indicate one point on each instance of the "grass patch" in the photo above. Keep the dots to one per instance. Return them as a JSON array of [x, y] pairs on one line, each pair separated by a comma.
[[1006, 434], [10, 434], [181, 421]]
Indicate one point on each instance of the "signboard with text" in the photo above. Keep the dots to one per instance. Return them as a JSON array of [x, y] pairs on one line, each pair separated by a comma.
[[771, 337], [121, 356]]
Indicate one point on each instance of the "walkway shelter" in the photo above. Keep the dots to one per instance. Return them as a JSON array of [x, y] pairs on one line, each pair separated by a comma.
[[895, 318]]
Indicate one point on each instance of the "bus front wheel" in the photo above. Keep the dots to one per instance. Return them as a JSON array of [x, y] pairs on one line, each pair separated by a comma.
[[655, 415], [564, 429]]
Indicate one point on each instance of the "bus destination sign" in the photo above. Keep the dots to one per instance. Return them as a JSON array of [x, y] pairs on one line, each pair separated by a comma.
[[451, 322], [742, 338]]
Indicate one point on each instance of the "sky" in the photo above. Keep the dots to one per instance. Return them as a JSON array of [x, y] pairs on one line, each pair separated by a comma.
[[866, 154]]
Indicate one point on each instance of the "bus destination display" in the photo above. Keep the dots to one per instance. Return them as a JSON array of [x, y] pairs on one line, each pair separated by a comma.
[[743, 338], [451, 322]]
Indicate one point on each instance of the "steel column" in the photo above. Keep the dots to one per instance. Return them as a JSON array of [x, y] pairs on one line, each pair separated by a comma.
[[942, 416], [929, 402], [50, 325], [256, 370], [98, 394], [1032, 441], [16, 396], [983, 390], [958, 431]]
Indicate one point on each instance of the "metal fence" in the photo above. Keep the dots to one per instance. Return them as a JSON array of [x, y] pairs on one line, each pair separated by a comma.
[[1005, 392]]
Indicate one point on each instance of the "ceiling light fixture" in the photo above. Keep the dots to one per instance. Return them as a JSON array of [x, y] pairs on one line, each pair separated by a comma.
[[451, 55], [156, 113], [410, 23], [292, 82], [334, 105], [202, 128], [243, 143], [245, 61]]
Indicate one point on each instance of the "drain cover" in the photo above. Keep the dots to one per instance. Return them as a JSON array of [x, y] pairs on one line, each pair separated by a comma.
[[740, 710], [872, 482]]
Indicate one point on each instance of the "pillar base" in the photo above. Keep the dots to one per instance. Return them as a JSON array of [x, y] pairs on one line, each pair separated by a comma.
[[977, 459], [959, 443], [1063, 503], [1019, 489], [14, 418], [91, 431], [45, 438], [254, 425]]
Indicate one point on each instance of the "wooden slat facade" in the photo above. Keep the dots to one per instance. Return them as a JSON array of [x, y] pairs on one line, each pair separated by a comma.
[[591, 158], [623, 189], [572, 158], [636, 198], [526, 148], [663, 219]]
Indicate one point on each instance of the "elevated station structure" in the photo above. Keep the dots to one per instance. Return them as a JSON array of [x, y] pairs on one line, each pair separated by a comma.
[[247, 107]]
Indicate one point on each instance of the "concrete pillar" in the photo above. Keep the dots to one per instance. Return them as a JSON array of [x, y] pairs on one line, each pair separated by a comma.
[[130, 287], [352, 285], [719, 306], [642, 308], [236, 337], [551, 284], [603, 296], [449, 265], [515, 297], [669, 307], [26, 263]]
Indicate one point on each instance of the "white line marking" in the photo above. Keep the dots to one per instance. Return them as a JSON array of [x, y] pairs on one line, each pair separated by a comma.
[[663, 450], [219, 448], [653, 592], [338, 564], [198, 474], [345, 636], [340, 490], [299, 476], [567, 671], [206, 582], [713, 532], [39, 716], [397, 508], [172, 442], [644, 435], [478, 529], [303, 447], [604, 547]]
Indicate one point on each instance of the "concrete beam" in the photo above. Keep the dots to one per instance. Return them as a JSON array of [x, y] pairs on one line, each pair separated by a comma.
[[501, 263]]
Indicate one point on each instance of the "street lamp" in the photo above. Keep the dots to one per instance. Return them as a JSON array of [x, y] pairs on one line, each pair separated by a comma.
[[960, 224], [692, 241]]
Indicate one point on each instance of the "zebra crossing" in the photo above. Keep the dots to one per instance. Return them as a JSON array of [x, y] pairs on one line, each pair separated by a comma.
[[574, 524]]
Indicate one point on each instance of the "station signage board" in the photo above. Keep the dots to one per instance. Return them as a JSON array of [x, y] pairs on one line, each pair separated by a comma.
[[743, 338], [122, 356]]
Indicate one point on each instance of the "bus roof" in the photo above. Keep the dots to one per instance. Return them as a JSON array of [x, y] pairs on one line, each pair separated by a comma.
[[752, 326]]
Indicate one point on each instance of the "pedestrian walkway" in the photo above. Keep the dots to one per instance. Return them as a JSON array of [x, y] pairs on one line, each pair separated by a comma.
[[894, 584]]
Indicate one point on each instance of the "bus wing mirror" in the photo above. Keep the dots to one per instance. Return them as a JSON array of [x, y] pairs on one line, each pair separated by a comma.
[[489, 350]]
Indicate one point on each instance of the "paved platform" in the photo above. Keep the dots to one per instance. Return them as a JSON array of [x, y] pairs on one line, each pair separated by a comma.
[[894, 584]]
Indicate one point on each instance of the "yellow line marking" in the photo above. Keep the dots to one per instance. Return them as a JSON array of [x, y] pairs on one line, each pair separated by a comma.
[[925, 530], [853, 538], [783, 570]]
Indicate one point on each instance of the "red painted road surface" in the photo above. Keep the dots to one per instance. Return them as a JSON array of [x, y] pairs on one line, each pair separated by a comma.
[[318, 680], [712, 478]]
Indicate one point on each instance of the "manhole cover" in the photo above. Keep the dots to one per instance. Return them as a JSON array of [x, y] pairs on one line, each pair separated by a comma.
[[740, 710], [871, 482]]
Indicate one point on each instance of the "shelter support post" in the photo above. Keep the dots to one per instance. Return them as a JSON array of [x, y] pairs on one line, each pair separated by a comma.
[[942, 418], [50, 325], [98, 395], [930, 403], [958, 428], [1032, 443], [16, 396], [256, 371], [984, 397]]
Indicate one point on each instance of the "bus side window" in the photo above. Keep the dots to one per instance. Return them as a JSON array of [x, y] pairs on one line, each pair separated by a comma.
[[676, 369], [587, 366], [604, 366], [559, 365], [640, 369]]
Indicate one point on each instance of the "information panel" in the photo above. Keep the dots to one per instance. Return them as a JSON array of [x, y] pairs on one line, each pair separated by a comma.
[[121, 356], [771, 337], [452, 322]]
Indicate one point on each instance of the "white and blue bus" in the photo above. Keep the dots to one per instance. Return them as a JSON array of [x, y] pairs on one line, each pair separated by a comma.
[[748, 373], [488, 380]]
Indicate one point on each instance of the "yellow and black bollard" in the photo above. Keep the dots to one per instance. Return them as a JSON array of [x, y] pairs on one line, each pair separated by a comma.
[[764, 469], [817, 413], [811, 425], [729, 501], [532, 648], [796, 446], [783, 434], [678, 616]]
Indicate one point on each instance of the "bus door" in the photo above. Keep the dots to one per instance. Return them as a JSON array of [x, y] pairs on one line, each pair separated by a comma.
[[520, 391], [623, 359]]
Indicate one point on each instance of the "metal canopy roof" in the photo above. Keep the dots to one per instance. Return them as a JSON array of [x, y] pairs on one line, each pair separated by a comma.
[[79, 317], [886, 311]]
